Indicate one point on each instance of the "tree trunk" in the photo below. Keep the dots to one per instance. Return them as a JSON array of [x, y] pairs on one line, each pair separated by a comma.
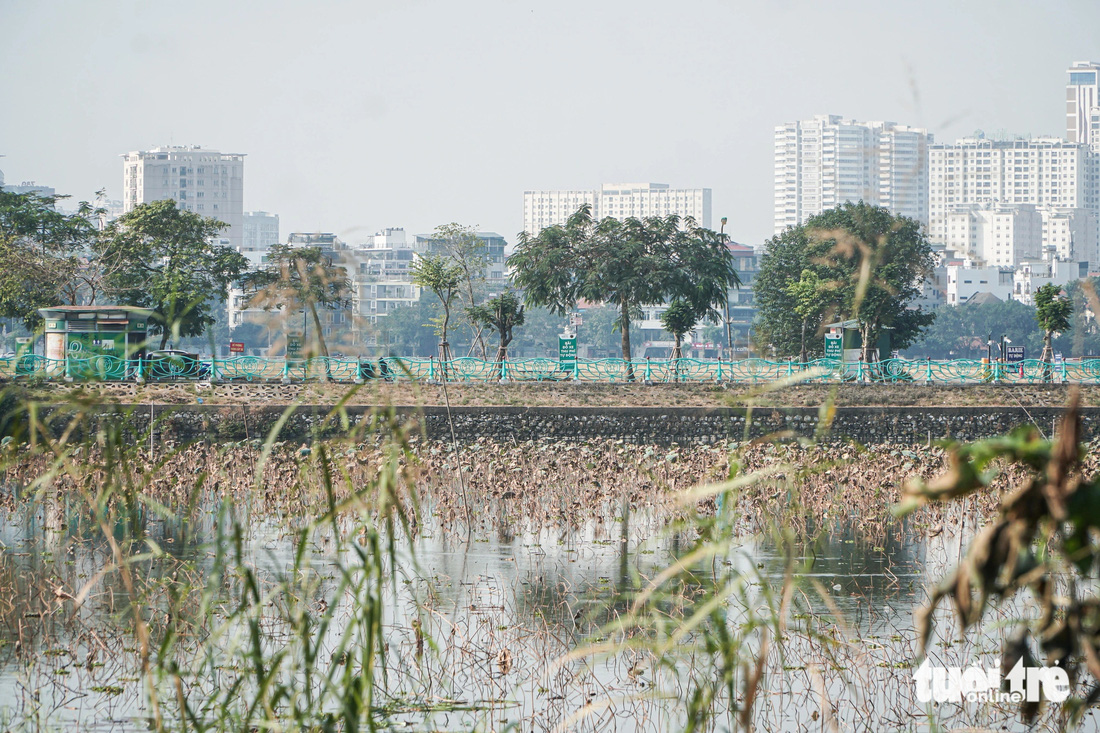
[[163, 339], [319, 335], [802, 351], [676, 356], [624, 324], [1048, 356]]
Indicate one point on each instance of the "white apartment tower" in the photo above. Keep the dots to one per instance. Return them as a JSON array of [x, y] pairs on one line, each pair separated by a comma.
[[542, 209], [204, 181], [826, 161], [260, 231], [1050, 174], [1083, 102]]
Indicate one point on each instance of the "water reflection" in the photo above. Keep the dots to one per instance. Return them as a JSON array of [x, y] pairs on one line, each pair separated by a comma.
[[476, 623]]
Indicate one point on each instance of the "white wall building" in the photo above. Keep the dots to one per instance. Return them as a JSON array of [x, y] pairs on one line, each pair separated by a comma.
[[1082, 102], [260, 231], [204, 181], [826, 161], [996, 234], [1048, 173], [965, 281], [380, 271], [617, 200], [1030, 276]]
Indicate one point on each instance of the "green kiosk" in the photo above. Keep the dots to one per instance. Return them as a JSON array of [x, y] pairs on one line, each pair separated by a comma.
[[94, 341]]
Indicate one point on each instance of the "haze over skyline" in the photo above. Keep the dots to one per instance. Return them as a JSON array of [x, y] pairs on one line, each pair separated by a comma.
[[356, 116]]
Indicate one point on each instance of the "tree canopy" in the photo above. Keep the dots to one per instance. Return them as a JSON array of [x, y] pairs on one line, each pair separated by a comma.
[[444, 278], [502, 313], [627, 264], [679, 318], [1052, 313], [160, 257], [870, 265], [46, 254]]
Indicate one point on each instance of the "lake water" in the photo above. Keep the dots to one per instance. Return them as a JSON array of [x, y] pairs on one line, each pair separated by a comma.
[[479, 628]]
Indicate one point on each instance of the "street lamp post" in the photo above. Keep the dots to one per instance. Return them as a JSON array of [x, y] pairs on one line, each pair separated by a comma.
[[729, 330]]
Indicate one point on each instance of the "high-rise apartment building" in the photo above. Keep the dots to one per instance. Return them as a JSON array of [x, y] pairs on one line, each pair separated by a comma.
[[1051, 174], [204, 181], [826, 161], [1083, 102], [542, 209], [260, 230]]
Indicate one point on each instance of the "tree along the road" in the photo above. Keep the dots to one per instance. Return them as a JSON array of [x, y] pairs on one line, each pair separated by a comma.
[[679, 318], [871, 265], [46, 255], [468, 252], [305, 279], [160, 257], [438, 274], [808, 305], [501, 313], [626, 263], [1052, 313]]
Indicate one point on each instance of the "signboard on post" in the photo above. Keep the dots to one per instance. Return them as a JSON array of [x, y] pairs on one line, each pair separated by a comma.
[[293, 345], [1014, 353], [833, 346], [575, 319], [567, 353], [236, 347]]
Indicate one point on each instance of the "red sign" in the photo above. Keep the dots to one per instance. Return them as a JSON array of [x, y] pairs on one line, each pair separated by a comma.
[[236, 347]]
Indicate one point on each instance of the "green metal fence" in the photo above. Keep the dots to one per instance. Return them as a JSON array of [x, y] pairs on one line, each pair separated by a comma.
[[745, 371]]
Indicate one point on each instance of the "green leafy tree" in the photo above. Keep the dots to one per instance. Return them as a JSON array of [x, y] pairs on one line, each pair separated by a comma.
[[501, 313], [300, 278], [870, 264], [808, 305], [679, 318], [626, 264], [158, 256], [438, 274], [467, 252], [961, 332], [1052, 313], [46, 255]]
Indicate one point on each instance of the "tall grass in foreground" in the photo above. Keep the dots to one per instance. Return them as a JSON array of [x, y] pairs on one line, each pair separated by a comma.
[[221, 638]]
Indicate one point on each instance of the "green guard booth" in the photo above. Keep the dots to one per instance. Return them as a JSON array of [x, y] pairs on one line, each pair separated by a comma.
[[102, 342]]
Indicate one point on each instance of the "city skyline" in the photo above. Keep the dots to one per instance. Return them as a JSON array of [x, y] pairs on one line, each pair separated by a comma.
[[443, 114]]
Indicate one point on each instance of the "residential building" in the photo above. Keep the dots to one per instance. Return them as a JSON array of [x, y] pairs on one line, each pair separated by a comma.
[[260, 230], [828, 160], [964, 281], [1082, 102], [1051, 174], [1032, 275], [204, 181], [542, 209], [382, 275], [493, 246], [996, 234]]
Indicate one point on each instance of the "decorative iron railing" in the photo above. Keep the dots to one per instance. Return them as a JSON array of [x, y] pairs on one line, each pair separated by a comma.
[[745, 371]]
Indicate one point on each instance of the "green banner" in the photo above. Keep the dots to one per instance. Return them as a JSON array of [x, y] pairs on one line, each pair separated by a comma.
[[833, 348]]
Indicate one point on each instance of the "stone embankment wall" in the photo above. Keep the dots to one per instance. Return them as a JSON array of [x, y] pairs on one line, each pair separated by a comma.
[[660, 425]]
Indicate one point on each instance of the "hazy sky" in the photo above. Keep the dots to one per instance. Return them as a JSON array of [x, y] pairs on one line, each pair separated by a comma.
[[361, 115]]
